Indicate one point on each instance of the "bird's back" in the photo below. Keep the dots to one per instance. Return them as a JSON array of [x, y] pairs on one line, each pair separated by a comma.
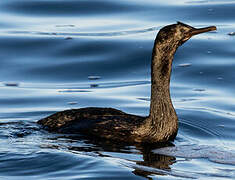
[[106, 123]]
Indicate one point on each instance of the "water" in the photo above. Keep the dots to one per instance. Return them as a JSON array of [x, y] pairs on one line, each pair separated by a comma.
[[65, 54]]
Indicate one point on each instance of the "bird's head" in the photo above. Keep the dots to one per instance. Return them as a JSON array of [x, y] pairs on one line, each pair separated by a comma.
[[177, 34]]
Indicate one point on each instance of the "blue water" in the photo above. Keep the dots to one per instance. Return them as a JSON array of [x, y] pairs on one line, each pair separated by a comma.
[[63, 54]]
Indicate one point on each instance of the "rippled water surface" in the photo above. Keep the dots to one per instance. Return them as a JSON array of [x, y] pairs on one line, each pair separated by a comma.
[[63, 54]]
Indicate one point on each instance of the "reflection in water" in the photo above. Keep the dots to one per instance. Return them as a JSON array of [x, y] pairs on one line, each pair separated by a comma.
[[104, 148], [153, 160], [146, 160]]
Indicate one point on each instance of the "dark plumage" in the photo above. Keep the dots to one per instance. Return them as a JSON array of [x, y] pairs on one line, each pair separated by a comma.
[[162, 123]]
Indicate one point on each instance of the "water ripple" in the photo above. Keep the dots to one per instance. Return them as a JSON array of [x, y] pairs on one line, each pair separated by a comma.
[[88, 34], [213, 153]]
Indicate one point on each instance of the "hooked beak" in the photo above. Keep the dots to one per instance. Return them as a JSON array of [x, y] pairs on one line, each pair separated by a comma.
[[201, 30], [195, 31]]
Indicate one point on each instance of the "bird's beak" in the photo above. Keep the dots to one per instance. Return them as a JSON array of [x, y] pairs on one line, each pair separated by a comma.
[[202, 30], [195, 31]]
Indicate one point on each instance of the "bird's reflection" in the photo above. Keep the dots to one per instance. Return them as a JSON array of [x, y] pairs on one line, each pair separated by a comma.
[[153, 160], [149, 159]]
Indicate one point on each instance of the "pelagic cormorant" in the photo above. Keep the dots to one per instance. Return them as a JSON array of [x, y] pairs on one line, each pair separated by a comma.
[[162, 123]]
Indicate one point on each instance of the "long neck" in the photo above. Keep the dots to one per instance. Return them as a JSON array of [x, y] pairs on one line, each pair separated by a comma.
[[162, 123], [160, 79]]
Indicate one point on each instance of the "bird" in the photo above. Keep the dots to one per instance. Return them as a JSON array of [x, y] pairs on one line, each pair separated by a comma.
[[160, 126]]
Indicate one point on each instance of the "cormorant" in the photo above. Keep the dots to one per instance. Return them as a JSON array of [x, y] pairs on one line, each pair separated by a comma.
[[160, 125]]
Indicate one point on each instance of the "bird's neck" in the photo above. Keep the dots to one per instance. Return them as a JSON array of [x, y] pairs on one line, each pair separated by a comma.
[[162, 121], [160, 80]]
